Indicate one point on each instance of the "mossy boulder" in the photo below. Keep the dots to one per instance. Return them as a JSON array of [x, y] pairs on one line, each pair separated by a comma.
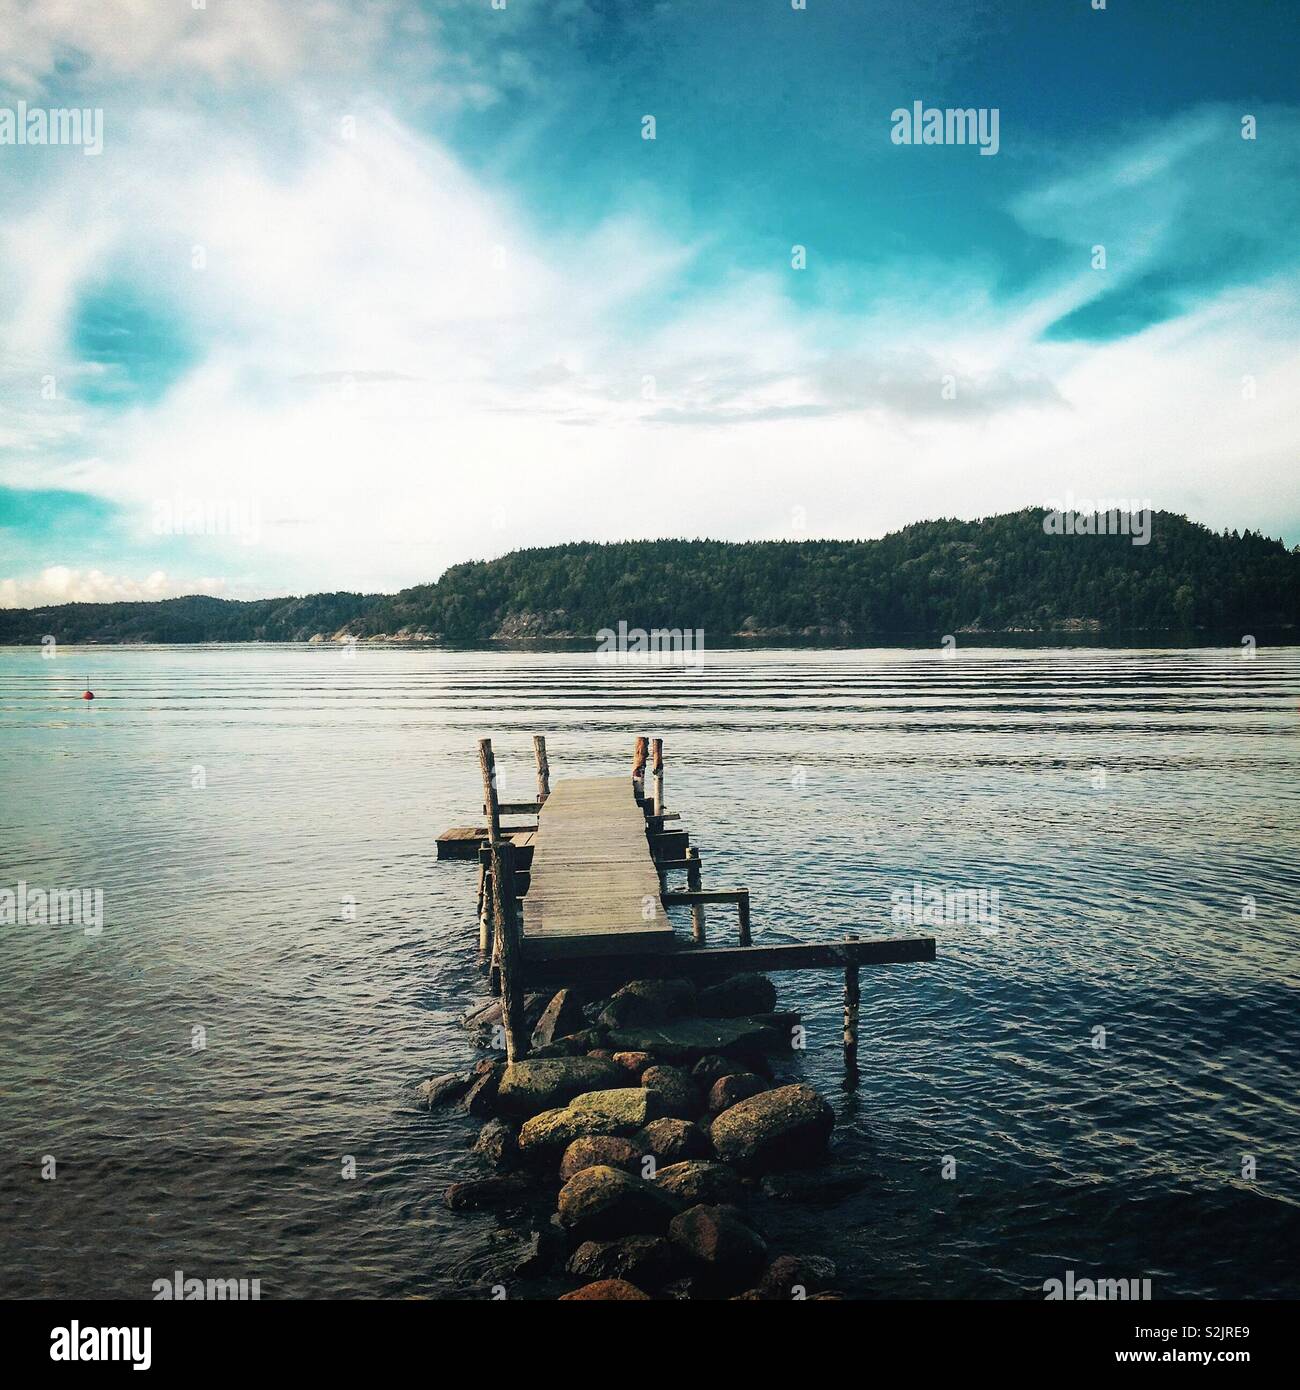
[[785, 1128], [629, 1106], [530, 1087], [603, 1203], [544, 1137]]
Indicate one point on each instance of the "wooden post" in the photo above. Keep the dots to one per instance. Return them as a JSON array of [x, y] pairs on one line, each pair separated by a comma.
[[852, 996], [697, 909], [638, 765], [742, 910], [543, 767], [507, 933], [657, 766], [488, 766], [484, 930]]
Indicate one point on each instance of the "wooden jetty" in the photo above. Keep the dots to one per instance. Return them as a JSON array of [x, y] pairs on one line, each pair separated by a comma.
[[593, 886], [591, 877]]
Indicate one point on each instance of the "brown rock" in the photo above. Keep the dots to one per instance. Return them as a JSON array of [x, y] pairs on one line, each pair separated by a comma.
[[599, 1149], [481, 1098], [698, 1181], [788, 1274], [671, 1141], [672, 1093], [716, 1239], [644, 1260], [443, 1089], [707, 1070], [497, 1143], [634, 1062], [731, 1090], [603, 1203], [606, 1290]]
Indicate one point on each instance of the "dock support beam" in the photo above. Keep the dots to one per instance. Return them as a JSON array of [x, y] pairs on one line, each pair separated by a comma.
[[695, 898], [543, 768], [508, 952], [657, 766], [693, 883], [484, 910], [852, 996], [490, 880]]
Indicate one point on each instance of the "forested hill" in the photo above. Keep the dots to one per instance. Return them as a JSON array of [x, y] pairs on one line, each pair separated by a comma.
[[193, 619], [1001, 574]]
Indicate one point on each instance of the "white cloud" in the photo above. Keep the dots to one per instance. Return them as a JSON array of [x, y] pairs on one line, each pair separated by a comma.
[[59, 584], [223, 40]]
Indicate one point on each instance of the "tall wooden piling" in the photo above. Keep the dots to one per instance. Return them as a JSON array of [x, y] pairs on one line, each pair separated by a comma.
[[693, 883], [508, 953], [491, 806], [852, 996], [657, 768], [742, 911], [638, 764], [543, 767]]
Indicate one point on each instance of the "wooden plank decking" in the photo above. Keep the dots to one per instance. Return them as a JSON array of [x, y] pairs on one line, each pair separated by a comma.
[[464, 841], [592, 876]]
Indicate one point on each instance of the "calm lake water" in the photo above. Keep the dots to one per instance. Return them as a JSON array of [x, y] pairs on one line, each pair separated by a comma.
[[823, 780]]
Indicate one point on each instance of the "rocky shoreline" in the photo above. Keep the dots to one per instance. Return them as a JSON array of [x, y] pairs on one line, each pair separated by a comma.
[[653, 1120]]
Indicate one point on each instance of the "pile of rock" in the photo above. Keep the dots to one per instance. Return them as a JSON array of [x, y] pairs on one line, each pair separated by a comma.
[[656, 1112]]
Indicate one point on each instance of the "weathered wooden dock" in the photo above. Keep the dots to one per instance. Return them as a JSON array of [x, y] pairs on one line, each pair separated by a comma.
[[591, 875], [593, 886]]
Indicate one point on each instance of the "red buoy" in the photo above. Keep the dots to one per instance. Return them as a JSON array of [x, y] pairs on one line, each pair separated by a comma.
[[87, 694]]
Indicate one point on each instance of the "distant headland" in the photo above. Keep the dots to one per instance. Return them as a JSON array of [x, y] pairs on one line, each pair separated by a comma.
[[1001, 574]]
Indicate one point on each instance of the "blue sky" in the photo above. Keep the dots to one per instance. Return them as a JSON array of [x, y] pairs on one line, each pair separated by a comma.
[[385, 287]]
